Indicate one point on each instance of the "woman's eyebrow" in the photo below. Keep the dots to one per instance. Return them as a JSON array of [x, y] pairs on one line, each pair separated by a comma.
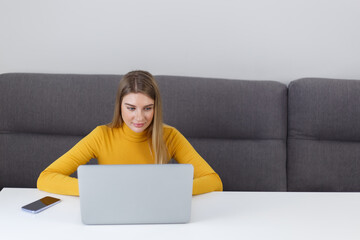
[[150, 105], [129, 104]]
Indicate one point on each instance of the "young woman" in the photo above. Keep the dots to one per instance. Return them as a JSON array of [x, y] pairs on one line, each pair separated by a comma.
[[136, 135]]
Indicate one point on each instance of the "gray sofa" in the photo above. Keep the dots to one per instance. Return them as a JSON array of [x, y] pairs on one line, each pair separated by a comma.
[[257, 135]]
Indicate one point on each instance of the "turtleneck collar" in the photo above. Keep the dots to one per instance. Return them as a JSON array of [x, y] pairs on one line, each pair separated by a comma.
[[134, 136]]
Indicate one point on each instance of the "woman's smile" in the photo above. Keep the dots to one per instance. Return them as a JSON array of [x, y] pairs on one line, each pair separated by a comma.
[[138, 125]]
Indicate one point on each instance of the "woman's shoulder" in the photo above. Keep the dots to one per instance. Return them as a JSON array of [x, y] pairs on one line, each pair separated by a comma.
[[101, 130], [170, 131]]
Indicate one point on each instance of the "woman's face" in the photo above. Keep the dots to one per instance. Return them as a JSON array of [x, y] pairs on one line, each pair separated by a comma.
[[137, 111]]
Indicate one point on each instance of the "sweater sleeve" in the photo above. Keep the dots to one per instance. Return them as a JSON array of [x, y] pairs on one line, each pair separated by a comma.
[[205, 178], [56, 177]]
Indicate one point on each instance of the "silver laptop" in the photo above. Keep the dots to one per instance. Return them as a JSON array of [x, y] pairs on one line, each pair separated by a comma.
[[135, 194]]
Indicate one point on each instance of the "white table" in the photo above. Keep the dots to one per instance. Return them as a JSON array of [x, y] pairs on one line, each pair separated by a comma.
[[217, 215]]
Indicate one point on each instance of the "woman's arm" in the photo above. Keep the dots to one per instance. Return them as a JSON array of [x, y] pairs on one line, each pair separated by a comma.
[[205, 178], [56, 178], [207, 183]]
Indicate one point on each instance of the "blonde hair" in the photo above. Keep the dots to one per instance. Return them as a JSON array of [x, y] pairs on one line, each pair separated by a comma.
[[143, 82]]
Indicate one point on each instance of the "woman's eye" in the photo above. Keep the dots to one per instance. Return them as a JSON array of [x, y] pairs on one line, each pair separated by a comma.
[[148, 108], [131, 108]]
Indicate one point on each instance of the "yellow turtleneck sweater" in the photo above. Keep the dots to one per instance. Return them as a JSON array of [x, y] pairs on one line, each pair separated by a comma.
[[124, 146]]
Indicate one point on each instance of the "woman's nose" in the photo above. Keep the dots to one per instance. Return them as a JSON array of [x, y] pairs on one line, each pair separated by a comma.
[[139, 116]]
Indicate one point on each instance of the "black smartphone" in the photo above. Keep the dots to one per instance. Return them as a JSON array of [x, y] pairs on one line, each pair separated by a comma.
[[41, 204]]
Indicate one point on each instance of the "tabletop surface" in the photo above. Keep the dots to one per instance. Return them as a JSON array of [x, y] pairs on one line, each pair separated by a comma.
[[217, 215]]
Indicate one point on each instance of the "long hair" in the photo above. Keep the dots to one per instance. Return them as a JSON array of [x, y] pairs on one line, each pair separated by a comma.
[[143, 82]]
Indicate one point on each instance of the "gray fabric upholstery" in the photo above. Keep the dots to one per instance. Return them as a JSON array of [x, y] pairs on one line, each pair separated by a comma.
[[238, 126], [24, 155], [56, 104], [228, 109], [246, 165], [323, 135]]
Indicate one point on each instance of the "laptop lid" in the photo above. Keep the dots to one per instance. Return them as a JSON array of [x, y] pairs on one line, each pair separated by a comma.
[[135, 194]]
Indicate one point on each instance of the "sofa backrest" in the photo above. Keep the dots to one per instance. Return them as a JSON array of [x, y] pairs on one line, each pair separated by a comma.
[[44, 115], [324, 135], [238, 126]]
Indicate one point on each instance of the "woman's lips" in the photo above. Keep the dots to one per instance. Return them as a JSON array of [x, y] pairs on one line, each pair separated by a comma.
[[139, 125]]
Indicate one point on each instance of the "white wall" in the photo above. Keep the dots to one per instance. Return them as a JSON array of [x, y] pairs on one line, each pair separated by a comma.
[[242, 39]]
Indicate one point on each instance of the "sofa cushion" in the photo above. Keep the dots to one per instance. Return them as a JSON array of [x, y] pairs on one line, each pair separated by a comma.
[[64, 104], [24, 155], [238, 126], [324, 135], [225, 109]]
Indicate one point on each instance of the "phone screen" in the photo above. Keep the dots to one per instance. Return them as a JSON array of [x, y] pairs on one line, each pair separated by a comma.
[[41, 204]]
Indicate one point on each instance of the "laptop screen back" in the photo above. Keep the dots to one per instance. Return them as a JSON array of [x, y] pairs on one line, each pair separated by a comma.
[[135, 194]]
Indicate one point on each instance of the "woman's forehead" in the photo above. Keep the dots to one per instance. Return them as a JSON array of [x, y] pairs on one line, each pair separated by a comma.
[[137, 99]]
